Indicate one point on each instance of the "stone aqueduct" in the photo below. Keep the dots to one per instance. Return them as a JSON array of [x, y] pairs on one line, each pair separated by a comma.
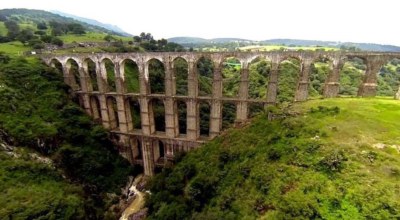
[[143, 146]]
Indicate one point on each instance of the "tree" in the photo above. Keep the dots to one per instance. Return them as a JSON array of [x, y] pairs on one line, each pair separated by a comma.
[[42, 26], [137, 39], [57, 41], [109, 38], [76, 28], [13, 29], [25, 35]]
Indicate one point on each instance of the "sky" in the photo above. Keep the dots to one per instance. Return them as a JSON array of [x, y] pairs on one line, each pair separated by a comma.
[[370, 21]]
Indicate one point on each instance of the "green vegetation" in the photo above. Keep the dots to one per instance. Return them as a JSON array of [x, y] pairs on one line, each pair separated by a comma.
[[40, 116], [322, 159], [33, 190]]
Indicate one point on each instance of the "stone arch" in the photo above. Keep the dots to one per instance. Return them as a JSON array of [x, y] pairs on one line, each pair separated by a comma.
[[73, 74], [156, 76], [321, 68], [181, 73], [205, 72], [351, 75], [95, 107], [259, 74], [228, 114], [230, 73], [55, 63], [130, 74], [112, 109], [108, 67], [255, 108], [90, 70], [157, 115], [132, 109], [289, 71], [388, 78], [204, 121]]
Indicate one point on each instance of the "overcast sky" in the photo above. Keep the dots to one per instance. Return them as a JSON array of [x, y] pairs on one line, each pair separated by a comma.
[[373, 21]]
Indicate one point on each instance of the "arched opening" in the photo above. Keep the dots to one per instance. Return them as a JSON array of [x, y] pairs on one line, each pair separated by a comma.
[[204, 118], [57, 65], [205, 72], [109, 69], [158, 115], [230, 71], [95, 107], [255, 109], [137, 150], [288, 75], [320, 70], [228, 114], [90, 70], [130, 71], [259, 71], [389, 78], [133, 111], [181, 76], [351, 76], [74, 75], [112, 112], [182, 114], [161, 149], [156, 76]]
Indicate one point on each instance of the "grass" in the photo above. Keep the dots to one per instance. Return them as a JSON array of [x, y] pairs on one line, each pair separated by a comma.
[[14, 48], [362, 121], [89, 37], [3, 29]]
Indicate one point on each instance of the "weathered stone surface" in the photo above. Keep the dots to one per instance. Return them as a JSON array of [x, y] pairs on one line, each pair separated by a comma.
[[150, 148]]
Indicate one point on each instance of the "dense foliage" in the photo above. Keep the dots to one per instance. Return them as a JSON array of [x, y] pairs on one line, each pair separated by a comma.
[[36, 112], [310, 166]]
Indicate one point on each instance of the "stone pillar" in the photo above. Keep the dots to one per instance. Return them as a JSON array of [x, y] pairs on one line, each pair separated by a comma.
[[332, 85], [370, 82], [122, 118], [68, 78], [171, 114], [84, 78], [242, 108], [148, 157], [302, 85], [216, 104], [397, 95], [102, 98], [192, 112], [273, 83]]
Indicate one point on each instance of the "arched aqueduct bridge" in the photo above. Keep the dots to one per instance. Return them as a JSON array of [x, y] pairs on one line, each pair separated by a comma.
[[150, 148]]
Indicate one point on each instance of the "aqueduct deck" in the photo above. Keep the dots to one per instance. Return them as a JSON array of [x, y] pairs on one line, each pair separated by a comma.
[[151, 148]]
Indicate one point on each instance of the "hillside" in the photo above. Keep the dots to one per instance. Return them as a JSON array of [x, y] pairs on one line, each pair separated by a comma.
[[201, 42], [322, 159], [31, 17], [110, 27]]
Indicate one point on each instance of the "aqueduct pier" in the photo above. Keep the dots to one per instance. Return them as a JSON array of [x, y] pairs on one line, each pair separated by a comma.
[[151, 148]]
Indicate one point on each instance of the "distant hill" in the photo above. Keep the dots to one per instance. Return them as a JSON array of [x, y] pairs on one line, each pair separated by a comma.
[[111, 27], [33, 17], [195, 42]]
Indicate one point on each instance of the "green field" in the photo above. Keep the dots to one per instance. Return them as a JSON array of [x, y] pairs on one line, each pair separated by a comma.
[[279, 47], [14, 48]]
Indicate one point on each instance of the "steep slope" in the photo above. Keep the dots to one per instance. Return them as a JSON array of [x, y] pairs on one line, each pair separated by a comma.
[[39, 117], [322, 159]]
